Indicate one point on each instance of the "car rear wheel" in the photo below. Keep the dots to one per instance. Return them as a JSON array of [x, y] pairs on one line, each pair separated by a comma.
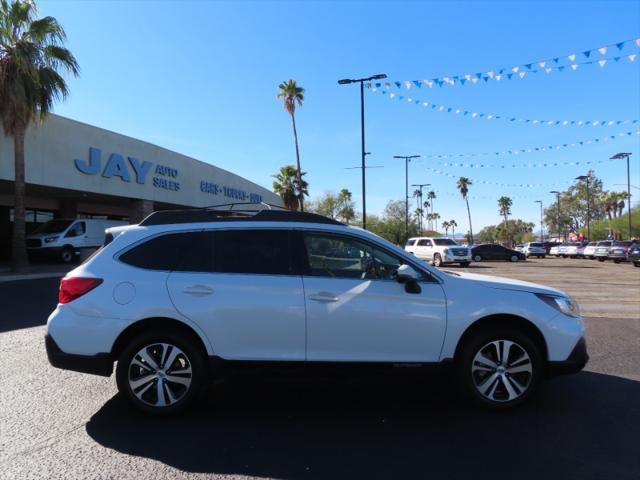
[[499, 368], [161, 371], [66, 254], [437, 260], [600, 259], [514, 258]]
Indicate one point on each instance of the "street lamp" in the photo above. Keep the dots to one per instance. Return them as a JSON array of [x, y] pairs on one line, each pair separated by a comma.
[[407, 159], [541, 224], [618, 156], [420, 186], [555, 192], [346, 81], [587, 177]]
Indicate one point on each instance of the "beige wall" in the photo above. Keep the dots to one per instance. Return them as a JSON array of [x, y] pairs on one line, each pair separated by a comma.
[[52, 147]]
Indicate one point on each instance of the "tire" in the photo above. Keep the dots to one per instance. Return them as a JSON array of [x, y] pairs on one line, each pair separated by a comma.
[[464, 264], [514, 259], [67, 254], [600, 259], [617, 260], [508, 388], [437, 260], [636, 264], [477, 258], [543, 256], [156, 345]]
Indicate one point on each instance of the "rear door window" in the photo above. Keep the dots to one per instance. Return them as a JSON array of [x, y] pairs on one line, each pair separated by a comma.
[[265, 252]]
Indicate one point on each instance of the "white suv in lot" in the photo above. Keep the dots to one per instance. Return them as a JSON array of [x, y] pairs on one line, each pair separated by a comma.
[[189, 295], [438, 251]]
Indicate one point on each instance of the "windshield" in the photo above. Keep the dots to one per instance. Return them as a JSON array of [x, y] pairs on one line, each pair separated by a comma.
[[53, 226], [444, 241]]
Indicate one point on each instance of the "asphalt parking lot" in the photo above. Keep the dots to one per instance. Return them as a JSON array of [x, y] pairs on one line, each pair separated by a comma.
[[59, 424]]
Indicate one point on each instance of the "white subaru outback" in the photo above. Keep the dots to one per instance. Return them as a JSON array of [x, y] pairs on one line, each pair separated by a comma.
[[188, 295]]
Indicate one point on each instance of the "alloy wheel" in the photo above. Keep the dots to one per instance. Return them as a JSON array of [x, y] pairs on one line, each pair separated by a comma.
[[502, 371], [160, 374]]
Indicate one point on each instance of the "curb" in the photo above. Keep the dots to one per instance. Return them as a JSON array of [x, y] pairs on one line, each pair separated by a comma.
[[30, 276]]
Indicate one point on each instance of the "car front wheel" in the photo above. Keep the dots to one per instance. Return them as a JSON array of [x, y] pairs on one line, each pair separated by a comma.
[[437, 260], [477, 258], [514, 258], [161, 371], [499, 368]]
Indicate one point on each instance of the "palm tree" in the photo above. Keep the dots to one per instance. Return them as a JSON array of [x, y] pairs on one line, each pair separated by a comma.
[[289, 188], [32, 59], [431, 195], [453, 225], [436, 216], [504, 207], [291, 93], [446, 226], [463, 188], [426, 206]]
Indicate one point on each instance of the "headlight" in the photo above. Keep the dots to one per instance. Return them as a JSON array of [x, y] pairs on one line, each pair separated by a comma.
[[566, 305], [50, 239]]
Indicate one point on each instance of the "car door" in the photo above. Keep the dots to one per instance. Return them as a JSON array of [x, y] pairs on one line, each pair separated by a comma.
[[76, 235], [357, 310], [249, 301], [424, 249]]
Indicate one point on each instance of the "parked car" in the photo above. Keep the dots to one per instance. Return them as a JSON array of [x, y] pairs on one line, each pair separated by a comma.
[[438, 251], [187, 295], [554, 251], [562, 250], [492, 251], [65, 237], [575, 250], [602, 250], [548, 245], [634, 254], [619, 250], [534, 249], [590, 250], [519, 247]]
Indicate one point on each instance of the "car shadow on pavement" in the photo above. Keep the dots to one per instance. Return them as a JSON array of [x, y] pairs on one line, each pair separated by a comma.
[[583, 426]]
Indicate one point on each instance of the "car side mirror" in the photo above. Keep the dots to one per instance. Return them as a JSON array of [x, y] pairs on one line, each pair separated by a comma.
[[408, 276]]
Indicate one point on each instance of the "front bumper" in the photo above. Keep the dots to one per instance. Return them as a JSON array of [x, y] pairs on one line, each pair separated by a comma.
[[99, 364], [576, 361]]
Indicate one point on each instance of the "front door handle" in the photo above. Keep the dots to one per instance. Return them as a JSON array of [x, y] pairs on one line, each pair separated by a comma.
[[323, 298], [198, 290]]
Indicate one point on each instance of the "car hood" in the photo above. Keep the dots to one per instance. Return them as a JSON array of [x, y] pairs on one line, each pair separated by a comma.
[[503, 283]]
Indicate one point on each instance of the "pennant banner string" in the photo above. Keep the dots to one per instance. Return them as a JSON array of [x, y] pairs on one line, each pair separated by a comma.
[[597, 56], [489, 116], [519, 151], [525, 165], [499, 184]]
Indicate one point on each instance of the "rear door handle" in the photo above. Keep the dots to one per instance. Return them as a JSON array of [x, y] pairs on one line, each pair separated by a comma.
[[323, 298], [198, 290]]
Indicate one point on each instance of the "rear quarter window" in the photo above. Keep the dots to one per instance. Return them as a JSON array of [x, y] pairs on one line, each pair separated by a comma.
[[185, 251]]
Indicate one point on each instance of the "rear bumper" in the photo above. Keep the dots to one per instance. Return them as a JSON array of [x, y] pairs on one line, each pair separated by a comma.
[[576, 361], [99, 364]]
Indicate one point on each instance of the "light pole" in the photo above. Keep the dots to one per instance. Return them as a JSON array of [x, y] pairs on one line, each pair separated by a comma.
[[555, 192], [407, 159], [587, 177], [420, 186], [618, 156], [346, 81], [541, 224]]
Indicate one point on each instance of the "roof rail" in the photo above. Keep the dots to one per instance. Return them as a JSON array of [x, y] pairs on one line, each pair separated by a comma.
[[166, 217], [270, 206]]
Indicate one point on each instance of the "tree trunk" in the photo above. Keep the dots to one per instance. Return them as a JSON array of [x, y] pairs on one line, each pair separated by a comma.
[[469, 215], [19, 259], [295, 138]]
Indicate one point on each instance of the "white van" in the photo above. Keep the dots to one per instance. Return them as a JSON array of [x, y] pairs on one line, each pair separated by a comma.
[[65, 237]]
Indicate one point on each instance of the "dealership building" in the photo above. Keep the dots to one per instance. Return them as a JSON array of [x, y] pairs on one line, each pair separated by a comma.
[[77, 170]]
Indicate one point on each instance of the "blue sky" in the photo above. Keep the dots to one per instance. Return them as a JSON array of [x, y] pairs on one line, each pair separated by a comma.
[[201, 78]]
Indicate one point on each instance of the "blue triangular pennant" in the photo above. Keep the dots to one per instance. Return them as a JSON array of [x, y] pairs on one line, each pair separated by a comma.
[[398, 84], [587, 53], [509, 75], [417, 83]]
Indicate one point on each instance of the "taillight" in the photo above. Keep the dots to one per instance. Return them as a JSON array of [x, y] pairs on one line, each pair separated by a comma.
[[74, 287]]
